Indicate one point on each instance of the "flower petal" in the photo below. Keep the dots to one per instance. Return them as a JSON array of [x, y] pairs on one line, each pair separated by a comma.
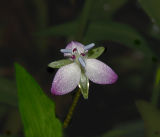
[[100, 73], [66, 79], [74, 44]]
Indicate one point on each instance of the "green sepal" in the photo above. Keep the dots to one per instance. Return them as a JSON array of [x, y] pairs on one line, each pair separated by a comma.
[[84, 85], [59, 63], [96, 52]]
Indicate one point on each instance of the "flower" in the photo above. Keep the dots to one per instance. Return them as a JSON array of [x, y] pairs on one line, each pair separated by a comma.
[[81, 68]]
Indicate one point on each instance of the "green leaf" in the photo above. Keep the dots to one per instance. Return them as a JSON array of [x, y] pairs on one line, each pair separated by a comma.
[[151, 117], [96, 52], [36, 109], [152, 9], [60, 63], [84, 85], [119, 33]]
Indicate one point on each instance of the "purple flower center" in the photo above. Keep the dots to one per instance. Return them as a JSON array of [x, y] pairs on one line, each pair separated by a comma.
[[78, 54]]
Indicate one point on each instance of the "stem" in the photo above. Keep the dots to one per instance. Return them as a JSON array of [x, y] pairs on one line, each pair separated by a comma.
[[156, 88], [71, 109], [80, 33]]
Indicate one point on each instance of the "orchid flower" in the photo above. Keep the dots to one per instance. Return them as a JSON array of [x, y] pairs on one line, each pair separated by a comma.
[[79, 69]]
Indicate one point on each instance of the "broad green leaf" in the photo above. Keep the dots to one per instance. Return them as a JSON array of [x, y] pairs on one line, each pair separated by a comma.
[[66, 29], [119, 33], [36, 109], [96, 52], [104, 9], [84, 85], [59, 63], [152, 9], [8, 93], [151, 117]]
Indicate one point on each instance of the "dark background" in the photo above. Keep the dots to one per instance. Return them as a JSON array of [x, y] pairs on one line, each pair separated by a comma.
[[107, 106]]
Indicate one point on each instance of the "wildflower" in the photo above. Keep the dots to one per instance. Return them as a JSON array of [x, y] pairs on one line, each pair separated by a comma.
[[79, 70]]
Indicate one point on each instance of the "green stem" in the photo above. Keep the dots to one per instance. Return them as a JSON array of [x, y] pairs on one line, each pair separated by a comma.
[[156, 88], [80, 33], [71, 109]]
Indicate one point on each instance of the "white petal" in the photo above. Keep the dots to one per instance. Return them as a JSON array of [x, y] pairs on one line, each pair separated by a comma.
[[100, 73], [66, 79]]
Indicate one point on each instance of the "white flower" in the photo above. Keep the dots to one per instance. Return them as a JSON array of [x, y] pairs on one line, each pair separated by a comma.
[[80, 70]]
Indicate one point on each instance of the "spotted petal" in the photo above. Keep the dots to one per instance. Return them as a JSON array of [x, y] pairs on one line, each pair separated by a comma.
[[75, 44], [100, 73], [66, 79]]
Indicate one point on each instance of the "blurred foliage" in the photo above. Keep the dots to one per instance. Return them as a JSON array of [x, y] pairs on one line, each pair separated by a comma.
[[8, 93], [120, 33], [36, 109], [152, 9], [130, 129], [151, 117], [156, 88], [103, 10], [94, 22]]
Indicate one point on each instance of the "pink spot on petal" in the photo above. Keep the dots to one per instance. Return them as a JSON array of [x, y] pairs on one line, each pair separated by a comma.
[[73, 57], [74, 49], [83, 54]]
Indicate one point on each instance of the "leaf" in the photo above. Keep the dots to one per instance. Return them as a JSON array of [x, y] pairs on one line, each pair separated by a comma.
[[151, 7], [36, 109], [119, 33], [66, 29], [84, 85], [96, 52], [60, 63], [151, 117], [104, 9]]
